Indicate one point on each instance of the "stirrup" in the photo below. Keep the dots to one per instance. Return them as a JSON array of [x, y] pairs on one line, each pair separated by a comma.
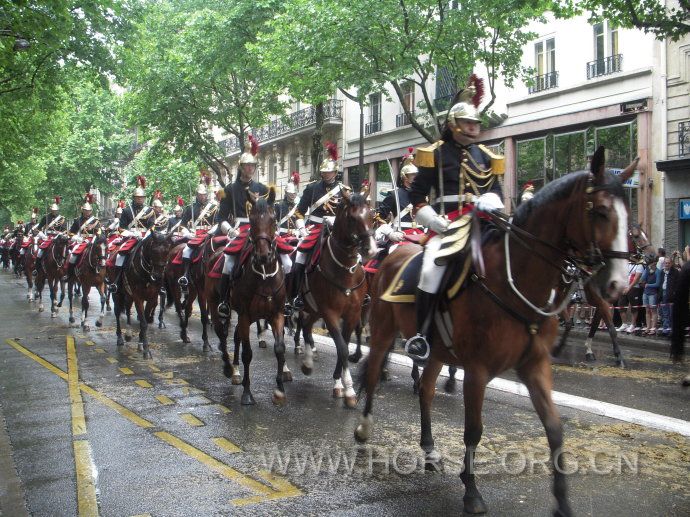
[[287, 310], [112, 288], [298, 303], [34, 272], [223, 310], [417, 341], [183, 281]]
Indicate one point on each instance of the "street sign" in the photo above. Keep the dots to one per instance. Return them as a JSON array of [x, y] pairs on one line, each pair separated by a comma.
[[632, 182], [684, 209]]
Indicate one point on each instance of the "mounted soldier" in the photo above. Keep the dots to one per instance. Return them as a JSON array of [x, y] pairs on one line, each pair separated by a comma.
[[135, 221], [197, 220], [316, 207], [286, 210], [83, 228], [463, 175], [160, 218], [175, 222], [51, 224], [30, 230], [233, 207]]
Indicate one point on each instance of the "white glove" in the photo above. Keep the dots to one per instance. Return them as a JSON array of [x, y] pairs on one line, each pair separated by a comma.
[[126, 233], [382, 232], [301, 229], [77, 239], [232, 233], [396, 236], [489, 202], [427, 216], [184, 231], [329, 220]]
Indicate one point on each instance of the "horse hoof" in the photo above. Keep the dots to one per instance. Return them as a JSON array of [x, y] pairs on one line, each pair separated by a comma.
[[161, 325], [287, 376], [40, 308], [306, 370], [262, 344], [433, 462], [59, 304], [385, 374], [354, 357], [128, 338], [71, 319], [590, 357], [147, 354], [99, 323], [350, 402], [686, 381], [120, 341], [474, 505], [620, 363], [299, 349], [236, 380], [363, 429], [227, 371], [247, 399], [206, 347], [53, 314], [450, 385], [338, 393], [140, 346], [86, 328], [109, 309], [278, 397]]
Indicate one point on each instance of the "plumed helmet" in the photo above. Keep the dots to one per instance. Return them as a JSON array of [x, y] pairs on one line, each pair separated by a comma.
[[56, 205], [293, 184], [139, 191], [408, 166], [120, 207], [466, 102], [204, 181], [249, 156], [527, 192], [157, 199], [88, 200], [157, 203], [34, 213], [179, 205], [330, 164]]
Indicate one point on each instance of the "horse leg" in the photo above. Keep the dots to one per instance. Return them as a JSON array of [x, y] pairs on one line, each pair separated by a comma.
[[341, 375], [189, 304], [261, 333], [161, 311], [415, 378], [537, 377], [355, 356], [85, 306], [61, 282], [279, 349], [308, 361], [70, 294], [221, 329], [236, 355], [567, 327], [99, 321], [298, 331], [243, 324], [596, 319], [143, 327], [203, 308], [607, 316], [117, 302], [107, 302], [451, 383], [52, 286], [427, 391], [473, 390]]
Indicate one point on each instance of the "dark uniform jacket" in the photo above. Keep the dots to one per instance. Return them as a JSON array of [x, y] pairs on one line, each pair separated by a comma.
[[281, 210], [388, 206], [130, 212], [79, 221], [192, 212], [48, 218], [29, 226], [172, 223], [312, 194], [234, 199], [466, 170]]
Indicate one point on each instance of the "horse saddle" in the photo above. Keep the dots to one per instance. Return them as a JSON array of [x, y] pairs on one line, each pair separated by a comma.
[[46, 243], [79, 248], [128, 245]]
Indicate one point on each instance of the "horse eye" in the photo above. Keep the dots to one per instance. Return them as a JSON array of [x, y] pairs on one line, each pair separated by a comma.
[[602, 211]]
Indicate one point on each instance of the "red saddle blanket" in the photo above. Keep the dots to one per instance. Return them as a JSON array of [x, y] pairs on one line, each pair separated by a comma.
[[27, 243], [45, 243], [79, 248], [311, 239]]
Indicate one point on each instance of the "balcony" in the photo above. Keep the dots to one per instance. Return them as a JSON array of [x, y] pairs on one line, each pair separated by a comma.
[[332, 110], [684, 138], [402, 119], [606, 66], [372, 127], [544, 82]]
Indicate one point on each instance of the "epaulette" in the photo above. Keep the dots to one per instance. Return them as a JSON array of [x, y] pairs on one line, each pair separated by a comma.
[[424, 156], [498, 162], [220, 194], [345, 187]]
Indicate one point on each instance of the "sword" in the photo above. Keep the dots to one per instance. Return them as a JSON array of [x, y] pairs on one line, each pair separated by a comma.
[[395, 193], [191, 202], [441, 190]]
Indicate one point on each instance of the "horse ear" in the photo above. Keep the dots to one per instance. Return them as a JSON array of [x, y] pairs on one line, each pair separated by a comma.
[[251, 197], [598, 164], [628, 171], [346, 195], [271, 195]]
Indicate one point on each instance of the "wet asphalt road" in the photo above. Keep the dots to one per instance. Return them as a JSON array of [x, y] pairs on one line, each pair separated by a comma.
[[168, 437]]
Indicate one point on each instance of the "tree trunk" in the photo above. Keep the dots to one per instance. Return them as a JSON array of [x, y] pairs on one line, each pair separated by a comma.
[[316, 150]]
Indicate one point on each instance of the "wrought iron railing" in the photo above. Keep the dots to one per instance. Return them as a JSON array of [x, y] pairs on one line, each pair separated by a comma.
[[333, 109], [372, 127], [605, 66], [402, 119], [544, 82], [683, 138]]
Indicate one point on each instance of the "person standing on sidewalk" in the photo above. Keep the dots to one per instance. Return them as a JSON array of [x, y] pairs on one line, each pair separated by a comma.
[[631, 299], [666, 294], [652, 280]]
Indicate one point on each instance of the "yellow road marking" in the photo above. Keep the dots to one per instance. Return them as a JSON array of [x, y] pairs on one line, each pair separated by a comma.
[[86, 491], [177, 382], [164, 375], [77, 405], [142, 515], [204, 400], [164, 400], [222, 408], [214, 464], [226, 445], [192, 420], [280, 487], [126, 371], [89, 343], [111, 360], [143, 383], [153, 368], [99, 350]]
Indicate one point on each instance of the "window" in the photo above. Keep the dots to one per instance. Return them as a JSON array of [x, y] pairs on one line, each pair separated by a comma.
[[599, 41], [272, 171], [545, 66], [607, 56], [374, 124], [408, 95]]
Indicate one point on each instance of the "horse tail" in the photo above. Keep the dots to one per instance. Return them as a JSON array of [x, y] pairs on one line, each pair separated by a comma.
[[169, 298], [679, 313], [361, 376]]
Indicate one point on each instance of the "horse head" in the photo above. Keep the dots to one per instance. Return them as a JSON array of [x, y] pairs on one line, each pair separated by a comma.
[[154, 255], [354, 223], [263, 228], [99, 248], [639, 246]]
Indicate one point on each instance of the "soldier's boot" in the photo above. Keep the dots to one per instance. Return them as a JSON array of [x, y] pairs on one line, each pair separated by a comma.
[[418, 346], [223, 291], [114, 285], [295, 297], [70, 270], [184, 279]]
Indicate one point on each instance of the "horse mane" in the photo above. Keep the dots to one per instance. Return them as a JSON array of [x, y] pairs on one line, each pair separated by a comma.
[[261, 206], [358, 200]]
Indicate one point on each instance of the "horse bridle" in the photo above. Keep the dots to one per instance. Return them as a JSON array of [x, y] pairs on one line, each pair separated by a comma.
[[151, 267]]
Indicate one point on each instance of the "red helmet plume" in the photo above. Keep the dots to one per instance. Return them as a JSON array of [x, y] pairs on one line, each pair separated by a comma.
[[332, 149], [35, 210], [57, 200], [141, 181], [180, 201], [88, 198], [295, 178], [121, 203], [478, 84], [253, 145], [158, 195]]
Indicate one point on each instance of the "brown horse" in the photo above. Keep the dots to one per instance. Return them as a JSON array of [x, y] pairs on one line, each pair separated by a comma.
[[52, 271], [335, 289], [89, 272], [142, 279], [259, 293], [29, 259], [499, 321], [640, 248]]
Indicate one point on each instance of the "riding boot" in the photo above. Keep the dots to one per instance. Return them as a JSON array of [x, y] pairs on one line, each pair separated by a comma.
[[184, 279], [298, 272], [113, 286], [70, 270], [418, 346], [224, 292]]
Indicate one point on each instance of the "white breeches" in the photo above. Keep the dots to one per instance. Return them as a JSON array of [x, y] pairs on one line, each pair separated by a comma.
[[286, 261], [40, 253], [187, 252], [229, 263], [73, 258], [301, 257], [21, 251], [432, 274], [119, 260]]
